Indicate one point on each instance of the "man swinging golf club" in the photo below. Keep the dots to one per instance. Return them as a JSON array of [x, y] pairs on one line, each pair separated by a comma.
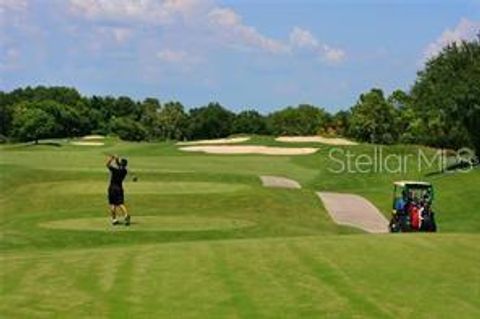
[[118, 171]]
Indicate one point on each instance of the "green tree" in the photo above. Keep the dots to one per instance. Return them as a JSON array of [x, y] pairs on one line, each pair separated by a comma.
[[32, 124], [249, 122], [6, 114], [406, 124], [211, 121], [68, 121], [373, 119], [128, 129], [60, 94], [303, 120], [172, 121], [125, 106], [149, 117], [446, 97], [340, 123], [101, 109]]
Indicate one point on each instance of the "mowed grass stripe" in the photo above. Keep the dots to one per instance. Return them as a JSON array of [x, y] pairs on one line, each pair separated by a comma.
[[401, 275], [180, 281], [12, 274], [271, 286], [300, 290], [89, 279], [329, 274], [238, 300], [303, 277], [119, 296]]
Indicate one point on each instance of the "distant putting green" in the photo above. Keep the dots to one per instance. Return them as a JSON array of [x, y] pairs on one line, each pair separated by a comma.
[[142, 187], [150, 223]]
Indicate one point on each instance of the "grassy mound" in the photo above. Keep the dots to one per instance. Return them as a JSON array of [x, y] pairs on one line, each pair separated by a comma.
[[144, 187], [149, 223]]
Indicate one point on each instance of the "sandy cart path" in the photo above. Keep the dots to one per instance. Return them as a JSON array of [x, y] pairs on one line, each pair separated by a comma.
[[277, 181], [353, 210]]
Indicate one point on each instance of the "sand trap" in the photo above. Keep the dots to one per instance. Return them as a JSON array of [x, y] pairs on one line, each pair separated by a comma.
[[250, 149], [88, 143], [280, 182], [355, 211], [93, 137], [150, 223], [315, 139], [217, 141]]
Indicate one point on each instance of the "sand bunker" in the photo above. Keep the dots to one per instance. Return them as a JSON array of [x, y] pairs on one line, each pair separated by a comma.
[[355, 211], [93, 137], [250, 149], [315, 139], [88, 143], [217, 141], [150, 223], [280, 182]]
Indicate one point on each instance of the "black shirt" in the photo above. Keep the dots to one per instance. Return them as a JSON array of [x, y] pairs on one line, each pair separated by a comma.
[[117, 175]]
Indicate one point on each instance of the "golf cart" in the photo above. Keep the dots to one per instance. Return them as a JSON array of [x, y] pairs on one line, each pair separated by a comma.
[[412, 207]]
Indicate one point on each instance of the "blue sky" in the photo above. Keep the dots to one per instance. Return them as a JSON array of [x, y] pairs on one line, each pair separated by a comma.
[[243, 54]]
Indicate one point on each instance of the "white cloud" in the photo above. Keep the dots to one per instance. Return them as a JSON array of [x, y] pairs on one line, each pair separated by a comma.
[[230, 25], [15, 5], [147, 11], [177, 56], [465, 30], [217, 20], [225, 17], [119, 34], [304, 39], [221, 24], [187, 7], [171, 55], [333, 55], [12, 17], [119, 10]]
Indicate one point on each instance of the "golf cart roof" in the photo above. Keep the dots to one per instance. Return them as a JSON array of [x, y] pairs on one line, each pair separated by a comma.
[[412, 183]]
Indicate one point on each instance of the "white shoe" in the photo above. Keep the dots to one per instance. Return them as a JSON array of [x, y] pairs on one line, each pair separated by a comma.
[[115, 221]]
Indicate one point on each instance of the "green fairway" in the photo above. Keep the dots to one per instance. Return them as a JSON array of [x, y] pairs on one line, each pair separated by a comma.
[[145, 187], [149, 223], [208, 241]]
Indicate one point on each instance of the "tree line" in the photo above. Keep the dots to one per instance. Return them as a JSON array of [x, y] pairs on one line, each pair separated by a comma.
[[441, 109]]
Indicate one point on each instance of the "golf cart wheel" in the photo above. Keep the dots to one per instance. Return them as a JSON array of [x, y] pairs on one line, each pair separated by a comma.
[[393, 226]]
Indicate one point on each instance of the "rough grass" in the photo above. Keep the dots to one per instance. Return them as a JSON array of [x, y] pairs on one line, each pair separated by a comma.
[[291, 261]]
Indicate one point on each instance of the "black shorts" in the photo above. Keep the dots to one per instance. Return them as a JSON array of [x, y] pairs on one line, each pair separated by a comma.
[[115, 195]]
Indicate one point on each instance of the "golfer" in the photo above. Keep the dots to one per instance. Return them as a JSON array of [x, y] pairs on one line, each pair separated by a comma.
[[118, 171]]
